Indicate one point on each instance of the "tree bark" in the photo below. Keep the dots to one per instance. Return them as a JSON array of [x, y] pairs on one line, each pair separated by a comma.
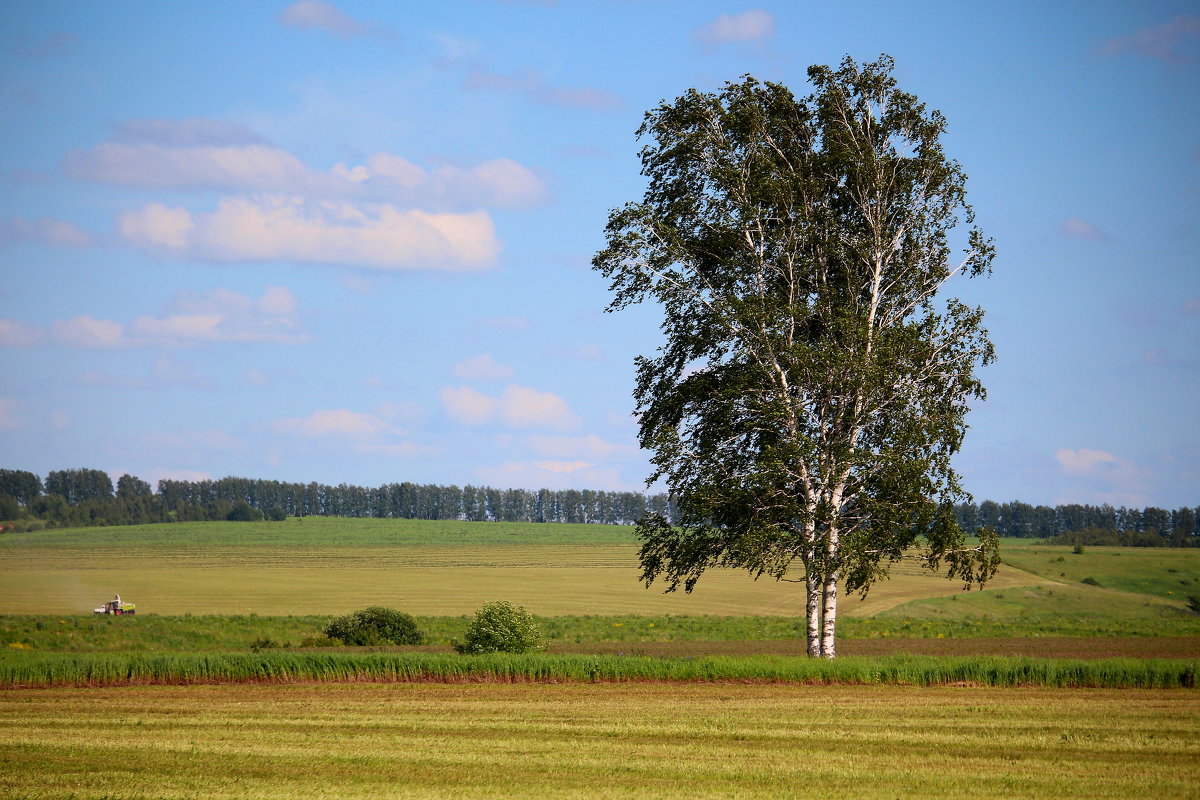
[[829, 617], [813, 611]]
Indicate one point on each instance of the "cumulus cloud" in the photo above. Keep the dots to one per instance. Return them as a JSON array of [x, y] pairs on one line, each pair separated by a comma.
[[337, 422], [483, 368], [193, 318], [1173, 41], [202, 154], [15, 333], [151, 165], [87, 331], [751, 27], [45, 230], [1077, 228], [290, 228], [467, 405], [364, 433], [516, 407], [1083, 461], [533, 86]]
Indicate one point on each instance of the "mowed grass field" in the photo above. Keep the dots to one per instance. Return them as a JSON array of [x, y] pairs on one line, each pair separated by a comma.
[[218, 587], [598, 740], [326, 566]]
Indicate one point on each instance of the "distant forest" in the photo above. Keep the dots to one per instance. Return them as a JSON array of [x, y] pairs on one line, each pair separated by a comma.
[[84, 497]]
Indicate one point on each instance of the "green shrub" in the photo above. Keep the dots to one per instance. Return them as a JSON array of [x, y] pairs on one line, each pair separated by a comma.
[[321, 640], [1090, 581], [244, 512], [1077, 550], [374, 626], [501, 627], [1193, 602], [276, 514]]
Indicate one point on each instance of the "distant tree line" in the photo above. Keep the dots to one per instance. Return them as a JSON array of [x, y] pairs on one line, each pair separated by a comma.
[[83, 497], [1144, 527]]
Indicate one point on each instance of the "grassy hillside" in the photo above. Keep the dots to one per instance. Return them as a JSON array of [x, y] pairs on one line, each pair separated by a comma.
[[320, 567], [1169, 573], [332, 566]]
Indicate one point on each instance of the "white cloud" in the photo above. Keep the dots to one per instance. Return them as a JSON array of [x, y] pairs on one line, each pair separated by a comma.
[[1171, 41], [87, 331], [204, 154], [289, 228], [366, 434], [244, 166], [590, 447], [10, 414], [1083, 461], [1101, 477], [522, 407], [483, 368], [316, 15], [1082, 229], [467, 405], [219, 316], [15, 333], [45, 230], [337, 422], [516, 407], [533, 86], [754, 26]]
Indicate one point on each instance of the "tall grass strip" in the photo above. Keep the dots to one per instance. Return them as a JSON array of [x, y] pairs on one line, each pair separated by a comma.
[[43, 670]]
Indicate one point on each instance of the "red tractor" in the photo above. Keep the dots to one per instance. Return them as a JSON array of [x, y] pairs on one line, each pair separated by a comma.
[[116, 606]]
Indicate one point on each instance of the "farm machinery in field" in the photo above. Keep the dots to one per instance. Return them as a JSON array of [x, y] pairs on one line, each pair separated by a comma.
[[116, 606]]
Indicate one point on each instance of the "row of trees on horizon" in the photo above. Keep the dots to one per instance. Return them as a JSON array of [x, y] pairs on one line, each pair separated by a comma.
[[85, 497]]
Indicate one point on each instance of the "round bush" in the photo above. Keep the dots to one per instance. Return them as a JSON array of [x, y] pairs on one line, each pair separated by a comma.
[[375, 625], [501, 628]]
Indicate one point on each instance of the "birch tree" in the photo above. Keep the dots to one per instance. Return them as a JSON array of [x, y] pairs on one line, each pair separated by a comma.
[[814, 379]]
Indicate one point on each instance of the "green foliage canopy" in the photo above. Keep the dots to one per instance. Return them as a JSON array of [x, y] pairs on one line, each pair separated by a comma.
[[812, 387]]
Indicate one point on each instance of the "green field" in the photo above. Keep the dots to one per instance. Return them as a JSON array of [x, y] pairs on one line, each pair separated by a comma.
[[700, 695], [598, 740], [327, 566]]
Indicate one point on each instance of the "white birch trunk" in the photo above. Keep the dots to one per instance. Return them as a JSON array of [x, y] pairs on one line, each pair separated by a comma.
[[829, 621], [812, 583]]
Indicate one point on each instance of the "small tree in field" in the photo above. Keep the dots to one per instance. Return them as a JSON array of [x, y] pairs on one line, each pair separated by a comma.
[[375, 626], [813, 384], [501, 627]]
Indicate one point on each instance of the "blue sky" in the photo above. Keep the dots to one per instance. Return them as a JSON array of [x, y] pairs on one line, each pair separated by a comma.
[[349, 242]]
